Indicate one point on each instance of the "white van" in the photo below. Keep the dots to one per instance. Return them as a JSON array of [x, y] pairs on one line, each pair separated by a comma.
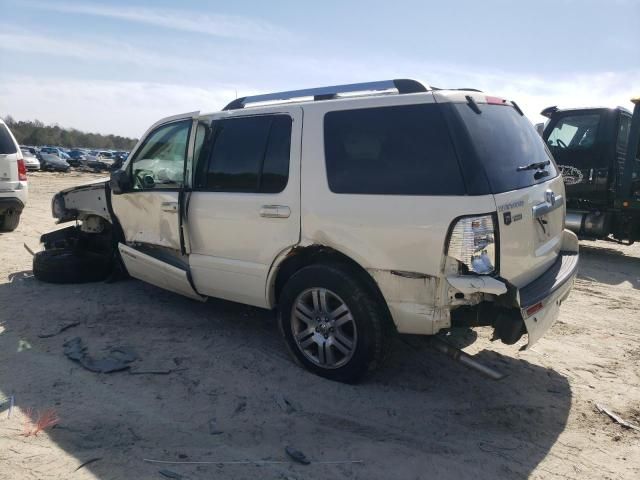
[[357, 211], [13, 180]]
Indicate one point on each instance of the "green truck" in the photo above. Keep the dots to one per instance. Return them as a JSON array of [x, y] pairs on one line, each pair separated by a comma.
[[598, 153]]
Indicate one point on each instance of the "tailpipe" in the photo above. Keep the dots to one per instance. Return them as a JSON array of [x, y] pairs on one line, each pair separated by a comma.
[[465, 359]]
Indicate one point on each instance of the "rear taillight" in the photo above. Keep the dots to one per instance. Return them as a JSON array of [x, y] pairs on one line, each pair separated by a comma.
[[22, 170], [473, 243]]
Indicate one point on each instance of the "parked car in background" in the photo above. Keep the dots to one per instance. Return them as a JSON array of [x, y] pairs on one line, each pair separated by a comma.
[[32, 150], [51, 162], [76, 157], [413, 212], [30, 160], [13, 180], [101, 160], [56, 151]]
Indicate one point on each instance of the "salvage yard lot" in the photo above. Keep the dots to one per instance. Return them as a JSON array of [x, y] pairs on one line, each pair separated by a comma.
[[214, 383]]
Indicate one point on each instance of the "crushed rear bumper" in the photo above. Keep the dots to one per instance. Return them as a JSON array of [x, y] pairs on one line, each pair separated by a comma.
[[541, 299]]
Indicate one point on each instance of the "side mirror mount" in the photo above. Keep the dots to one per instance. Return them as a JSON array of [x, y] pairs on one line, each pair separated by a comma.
[[120, 182]]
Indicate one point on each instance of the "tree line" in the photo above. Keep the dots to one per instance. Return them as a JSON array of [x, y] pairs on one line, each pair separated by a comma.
[[37, 133]]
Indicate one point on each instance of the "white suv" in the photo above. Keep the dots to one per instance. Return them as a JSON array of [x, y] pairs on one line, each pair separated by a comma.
[[13, 180], [355, 210]]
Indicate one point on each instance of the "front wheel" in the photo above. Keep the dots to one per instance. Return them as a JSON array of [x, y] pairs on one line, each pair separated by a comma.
[[333, 324]]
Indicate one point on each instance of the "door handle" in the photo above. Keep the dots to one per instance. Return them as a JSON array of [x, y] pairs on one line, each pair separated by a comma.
[[171, 207], [275, 211]]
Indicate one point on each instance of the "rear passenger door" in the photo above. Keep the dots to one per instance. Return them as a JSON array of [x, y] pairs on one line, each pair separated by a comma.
[[244, 207]]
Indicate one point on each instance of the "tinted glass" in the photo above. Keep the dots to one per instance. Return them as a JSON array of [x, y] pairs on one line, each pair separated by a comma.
[[159, 163], [249, 154], [275, 171], [623, 132], [7, 145], [401, 150], [574, 131], [502, 141]]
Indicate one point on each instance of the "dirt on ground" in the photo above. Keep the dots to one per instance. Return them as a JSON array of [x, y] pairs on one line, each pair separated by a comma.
[[212, 383]]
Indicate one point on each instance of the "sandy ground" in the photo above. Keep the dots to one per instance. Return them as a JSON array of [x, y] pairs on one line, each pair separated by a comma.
[[421, 416]]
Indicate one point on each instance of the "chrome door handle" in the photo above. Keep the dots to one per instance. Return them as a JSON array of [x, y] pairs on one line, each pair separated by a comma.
[[275, 211], [170, 207]]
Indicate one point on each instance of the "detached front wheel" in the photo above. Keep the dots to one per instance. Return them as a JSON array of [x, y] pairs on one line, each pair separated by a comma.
[[333, 324], [65, 265]]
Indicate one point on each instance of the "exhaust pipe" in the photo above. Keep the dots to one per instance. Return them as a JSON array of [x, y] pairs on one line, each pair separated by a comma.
[[467, 360]]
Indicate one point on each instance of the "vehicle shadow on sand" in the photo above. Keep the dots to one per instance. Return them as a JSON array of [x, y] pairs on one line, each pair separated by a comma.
[[230, 392], [607, 265]]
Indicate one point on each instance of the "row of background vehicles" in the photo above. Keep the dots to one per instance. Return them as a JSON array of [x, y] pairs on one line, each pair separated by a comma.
[[61, 160]]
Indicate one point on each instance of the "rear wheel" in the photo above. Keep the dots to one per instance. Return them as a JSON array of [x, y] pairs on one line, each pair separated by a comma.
[[63, 265], [9, 221], [333, 324]]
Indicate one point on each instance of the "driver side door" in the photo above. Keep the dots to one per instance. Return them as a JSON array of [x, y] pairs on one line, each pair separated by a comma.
[[150, 210]]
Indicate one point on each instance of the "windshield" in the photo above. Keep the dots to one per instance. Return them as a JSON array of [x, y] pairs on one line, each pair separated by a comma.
[[575, 131], [507, 146]]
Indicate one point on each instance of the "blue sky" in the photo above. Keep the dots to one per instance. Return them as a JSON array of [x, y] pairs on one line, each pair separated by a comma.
[[118, 66]]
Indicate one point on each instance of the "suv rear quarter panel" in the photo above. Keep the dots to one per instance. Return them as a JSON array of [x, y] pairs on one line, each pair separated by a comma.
[[385, 234]]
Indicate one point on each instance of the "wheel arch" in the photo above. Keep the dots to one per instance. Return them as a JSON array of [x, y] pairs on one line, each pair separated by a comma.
[[296, 258]]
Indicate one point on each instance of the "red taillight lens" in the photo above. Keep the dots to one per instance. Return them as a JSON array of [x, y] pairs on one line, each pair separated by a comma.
[[22, 171]]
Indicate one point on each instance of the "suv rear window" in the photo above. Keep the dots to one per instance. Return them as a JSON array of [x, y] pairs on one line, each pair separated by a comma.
[[400, 150], [502, 141], [7, 145]]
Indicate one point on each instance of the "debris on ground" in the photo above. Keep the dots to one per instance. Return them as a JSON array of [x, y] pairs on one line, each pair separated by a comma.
[[36, 422], [213, 427], [58, 330], [616, 418], [84, 464], [118, 359], [170, 474], [285, 405], [297, 456]]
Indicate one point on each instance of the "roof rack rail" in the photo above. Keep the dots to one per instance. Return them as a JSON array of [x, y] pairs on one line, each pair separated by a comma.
[[326, 93]]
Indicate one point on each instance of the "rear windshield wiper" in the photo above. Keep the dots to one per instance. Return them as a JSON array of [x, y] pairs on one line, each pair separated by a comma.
[[534, 166]]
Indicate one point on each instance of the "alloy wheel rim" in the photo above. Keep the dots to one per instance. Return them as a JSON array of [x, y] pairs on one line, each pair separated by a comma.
[[323, 328]]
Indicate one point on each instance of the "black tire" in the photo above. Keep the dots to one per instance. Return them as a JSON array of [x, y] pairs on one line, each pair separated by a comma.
[[61, 265], [9, 221], [370, 315]]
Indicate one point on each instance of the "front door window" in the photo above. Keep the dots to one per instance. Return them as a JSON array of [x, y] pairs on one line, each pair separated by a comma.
[[159, 163]]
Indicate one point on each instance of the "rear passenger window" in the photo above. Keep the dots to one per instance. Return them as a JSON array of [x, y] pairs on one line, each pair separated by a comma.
[[7, 146], [402, 150], [249, 154]]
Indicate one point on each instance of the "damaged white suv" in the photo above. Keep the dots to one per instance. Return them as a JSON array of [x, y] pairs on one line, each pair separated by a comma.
[[355, 210]]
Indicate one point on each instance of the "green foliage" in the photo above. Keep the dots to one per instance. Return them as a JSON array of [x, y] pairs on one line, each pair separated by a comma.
[[37, 133]]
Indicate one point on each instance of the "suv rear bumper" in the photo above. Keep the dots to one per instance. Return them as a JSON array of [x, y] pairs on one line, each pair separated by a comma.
[[541, 299]]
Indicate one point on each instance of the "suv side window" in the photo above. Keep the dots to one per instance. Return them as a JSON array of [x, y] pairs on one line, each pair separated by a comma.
[[623, 132], [401, 150], [248, 154], [7, 147], [159, 163]]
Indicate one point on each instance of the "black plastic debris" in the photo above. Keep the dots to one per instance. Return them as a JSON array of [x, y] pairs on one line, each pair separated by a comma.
[[170, 474], [297, 456], [118, 359]]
